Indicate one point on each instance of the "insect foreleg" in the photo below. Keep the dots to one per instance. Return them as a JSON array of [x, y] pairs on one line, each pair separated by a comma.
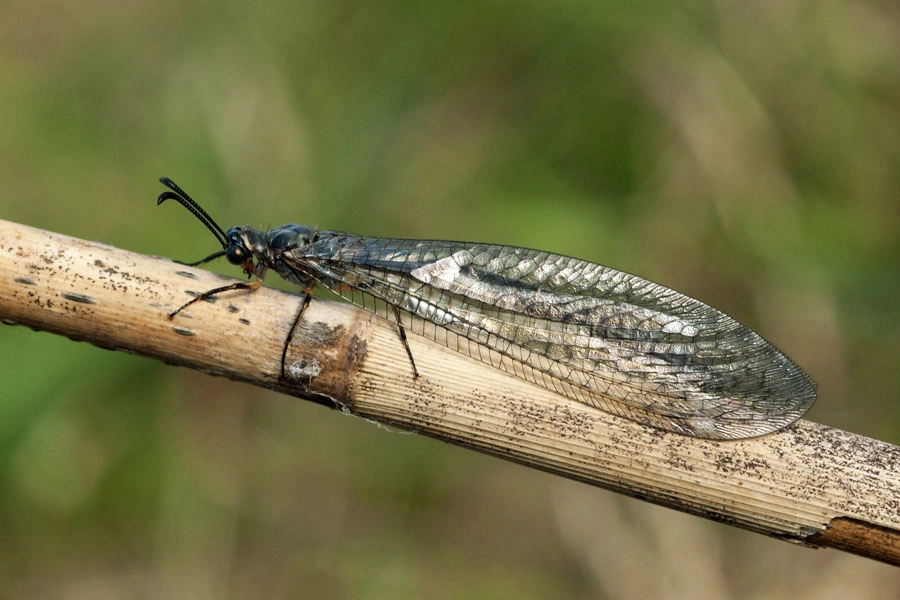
[[209, 294]]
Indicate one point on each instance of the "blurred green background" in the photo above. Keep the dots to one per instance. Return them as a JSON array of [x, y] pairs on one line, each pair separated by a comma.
[[745, 153]]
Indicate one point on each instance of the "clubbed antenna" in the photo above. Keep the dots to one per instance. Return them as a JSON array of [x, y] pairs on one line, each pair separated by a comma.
[[186, 201]]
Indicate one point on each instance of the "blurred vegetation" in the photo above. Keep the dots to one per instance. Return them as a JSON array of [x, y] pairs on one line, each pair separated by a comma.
[[744, 153]]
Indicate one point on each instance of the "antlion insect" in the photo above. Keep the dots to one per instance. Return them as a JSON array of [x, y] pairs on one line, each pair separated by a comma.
[[602, 337]]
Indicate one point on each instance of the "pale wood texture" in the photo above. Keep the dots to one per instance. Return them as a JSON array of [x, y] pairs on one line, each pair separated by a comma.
[[792, 485]]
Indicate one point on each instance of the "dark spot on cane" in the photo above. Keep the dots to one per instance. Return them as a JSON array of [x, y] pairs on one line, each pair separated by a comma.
[[78, 298]]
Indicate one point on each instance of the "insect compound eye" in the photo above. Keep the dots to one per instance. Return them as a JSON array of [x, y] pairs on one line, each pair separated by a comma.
[[236, 254]]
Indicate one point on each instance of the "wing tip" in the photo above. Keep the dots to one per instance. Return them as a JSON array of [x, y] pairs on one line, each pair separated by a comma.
[[724, 428]]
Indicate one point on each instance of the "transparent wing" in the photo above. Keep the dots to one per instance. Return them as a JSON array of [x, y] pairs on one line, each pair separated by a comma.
[[597, 335]]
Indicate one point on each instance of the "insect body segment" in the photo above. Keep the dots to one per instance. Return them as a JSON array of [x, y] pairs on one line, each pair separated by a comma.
[[602, 337]]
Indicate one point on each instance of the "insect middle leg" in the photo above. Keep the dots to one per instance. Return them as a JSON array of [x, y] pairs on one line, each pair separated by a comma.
[[307, 298]]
